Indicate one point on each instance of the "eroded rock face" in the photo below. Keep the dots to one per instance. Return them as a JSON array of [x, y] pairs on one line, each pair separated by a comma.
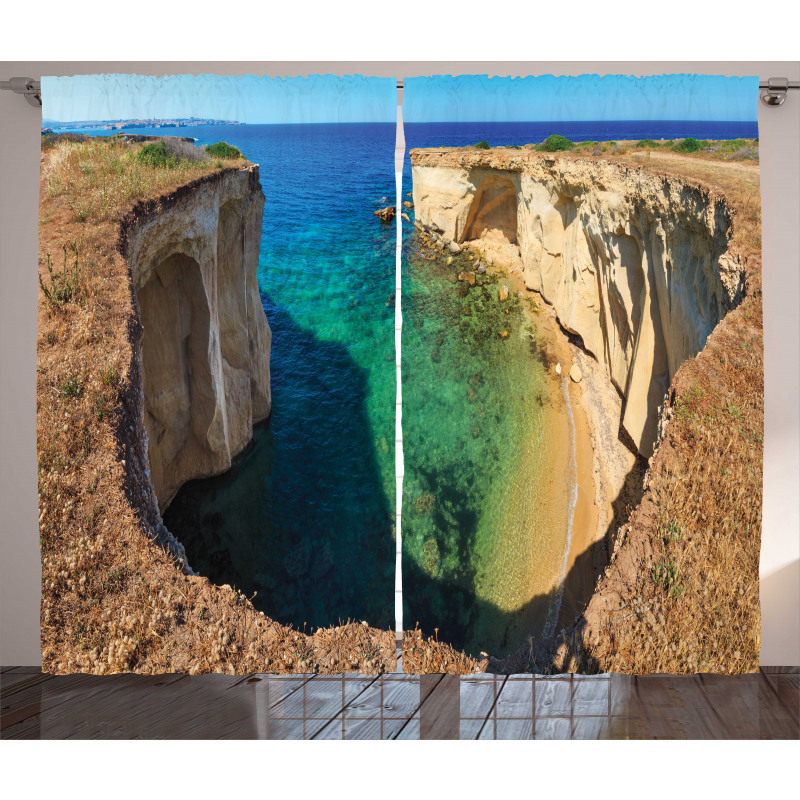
[[635, 263], [206, 341]]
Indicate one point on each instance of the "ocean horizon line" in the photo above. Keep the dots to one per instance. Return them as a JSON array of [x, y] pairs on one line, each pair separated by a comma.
[[434, 122]]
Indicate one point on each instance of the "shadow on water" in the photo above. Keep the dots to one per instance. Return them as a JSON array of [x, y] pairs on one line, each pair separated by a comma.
[[302, 518], [453, 609]]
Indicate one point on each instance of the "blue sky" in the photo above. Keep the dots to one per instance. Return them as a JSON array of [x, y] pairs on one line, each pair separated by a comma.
[[546, 98], [445, 98], [250, 98]]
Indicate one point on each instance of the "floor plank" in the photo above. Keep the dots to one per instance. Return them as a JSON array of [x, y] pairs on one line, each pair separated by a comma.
[[397, 706]]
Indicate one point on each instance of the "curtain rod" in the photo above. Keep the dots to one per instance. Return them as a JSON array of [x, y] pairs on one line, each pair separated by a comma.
[[773, 91]]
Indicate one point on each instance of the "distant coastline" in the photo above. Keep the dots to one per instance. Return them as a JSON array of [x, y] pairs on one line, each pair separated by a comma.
[[122, 124]]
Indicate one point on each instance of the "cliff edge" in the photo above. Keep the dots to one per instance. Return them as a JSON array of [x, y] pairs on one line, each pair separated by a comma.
[[206, 341], [637, 265]]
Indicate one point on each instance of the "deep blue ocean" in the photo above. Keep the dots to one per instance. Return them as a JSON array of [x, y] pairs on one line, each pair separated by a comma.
[[458, 134]]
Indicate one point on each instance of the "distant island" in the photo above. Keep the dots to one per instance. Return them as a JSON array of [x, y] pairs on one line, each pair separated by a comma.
[[122, 124]]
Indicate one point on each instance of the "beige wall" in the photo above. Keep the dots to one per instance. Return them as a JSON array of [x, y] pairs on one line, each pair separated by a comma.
[[780, 182]]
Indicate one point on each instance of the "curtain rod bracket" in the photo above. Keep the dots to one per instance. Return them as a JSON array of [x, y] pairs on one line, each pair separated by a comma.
[[774, 93], [28, 87]]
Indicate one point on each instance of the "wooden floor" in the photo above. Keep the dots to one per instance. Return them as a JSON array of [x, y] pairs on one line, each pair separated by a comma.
[[398, 706]]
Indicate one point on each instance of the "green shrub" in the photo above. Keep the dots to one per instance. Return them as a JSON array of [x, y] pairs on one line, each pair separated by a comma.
[[689, 145], [554, 143], [481, 146], [223, 150], [648, 143], [155, 154]]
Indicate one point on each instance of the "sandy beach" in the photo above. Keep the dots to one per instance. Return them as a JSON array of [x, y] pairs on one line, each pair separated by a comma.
[[593, 505]]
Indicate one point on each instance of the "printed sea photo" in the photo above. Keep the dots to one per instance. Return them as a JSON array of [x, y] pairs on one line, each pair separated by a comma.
[[582, 374], [216, 339]]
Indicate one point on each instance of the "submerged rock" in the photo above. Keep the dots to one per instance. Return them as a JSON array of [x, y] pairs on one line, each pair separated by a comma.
[[467, 276], [424, 503], [408, 204], [405, 217]]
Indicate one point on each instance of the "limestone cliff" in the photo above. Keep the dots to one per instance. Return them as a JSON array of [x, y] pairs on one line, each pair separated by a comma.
[[193, 257], [637, 264]]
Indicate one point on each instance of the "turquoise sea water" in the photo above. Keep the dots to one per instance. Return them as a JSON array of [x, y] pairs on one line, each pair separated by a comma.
[[485, 496], [305, 517]]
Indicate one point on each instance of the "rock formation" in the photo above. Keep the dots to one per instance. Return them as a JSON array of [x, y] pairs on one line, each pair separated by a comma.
[[635, 263], [206, 341], [385, 214]]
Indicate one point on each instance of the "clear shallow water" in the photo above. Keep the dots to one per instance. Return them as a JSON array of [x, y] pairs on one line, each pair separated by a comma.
[[305, 516], [485, 493]]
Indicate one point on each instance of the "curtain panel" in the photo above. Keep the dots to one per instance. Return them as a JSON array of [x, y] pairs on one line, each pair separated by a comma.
[[581, 366], [582, 372]]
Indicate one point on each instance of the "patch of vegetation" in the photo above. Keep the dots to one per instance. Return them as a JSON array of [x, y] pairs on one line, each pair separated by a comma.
[[671, 532], [223, 150], [65, 285], [71, 387], [171, 153], [690, 145], [186, 151], [109, 375], [155, 154], [50, 139], [692, 406], [554, 143], [648, 143], [666, 575], [481, 145], [424, 503]]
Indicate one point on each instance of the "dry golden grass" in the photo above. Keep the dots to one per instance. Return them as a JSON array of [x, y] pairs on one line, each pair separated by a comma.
[[692, 605], [424, 655], [112, 599]]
